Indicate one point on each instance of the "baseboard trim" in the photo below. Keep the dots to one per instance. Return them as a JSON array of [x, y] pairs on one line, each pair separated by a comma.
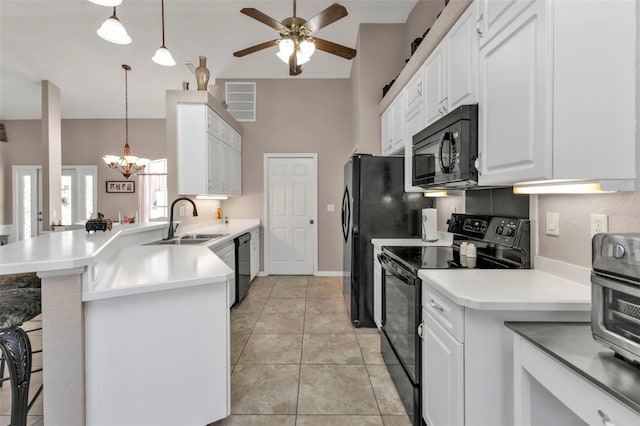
[[329, 274], [317, 274]]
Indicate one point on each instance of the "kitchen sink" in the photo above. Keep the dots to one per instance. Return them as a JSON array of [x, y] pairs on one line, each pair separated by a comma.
[[188, 239], [202, 236]]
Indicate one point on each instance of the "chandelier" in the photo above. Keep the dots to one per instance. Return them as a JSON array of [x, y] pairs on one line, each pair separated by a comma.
[[127, 164]]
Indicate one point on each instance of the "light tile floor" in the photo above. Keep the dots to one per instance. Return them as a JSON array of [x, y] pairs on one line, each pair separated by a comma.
[[297, 360]]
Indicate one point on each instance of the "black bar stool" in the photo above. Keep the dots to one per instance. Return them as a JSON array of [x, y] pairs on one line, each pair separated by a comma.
[[18, 304]]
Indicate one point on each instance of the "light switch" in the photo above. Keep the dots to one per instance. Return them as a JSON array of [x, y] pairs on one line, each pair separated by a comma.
[[331, 207], [183, 211], [553, 223]]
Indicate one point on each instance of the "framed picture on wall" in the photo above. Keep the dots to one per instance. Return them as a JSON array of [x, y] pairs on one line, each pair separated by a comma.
[[121, 186]]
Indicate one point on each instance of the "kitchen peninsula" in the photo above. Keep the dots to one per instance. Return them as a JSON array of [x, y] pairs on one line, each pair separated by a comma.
[[123, 324]]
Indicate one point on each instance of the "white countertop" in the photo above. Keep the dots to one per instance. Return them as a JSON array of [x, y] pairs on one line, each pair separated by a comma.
[[150, 268], [63, 250], [507, 290], [445, 239], [135, 269]]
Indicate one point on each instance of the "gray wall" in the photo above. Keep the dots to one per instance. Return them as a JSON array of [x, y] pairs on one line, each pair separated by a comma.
[[84, 142], [573, 245], [299, 116]]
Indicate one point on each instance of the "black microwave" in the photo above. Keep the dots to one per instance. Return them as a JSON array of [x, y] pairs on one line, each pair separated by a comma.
[[445, 152]]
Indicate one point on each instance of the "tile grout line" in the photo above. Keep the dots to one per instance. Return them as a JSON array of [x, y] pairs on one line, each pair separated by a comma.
[[304, 316]]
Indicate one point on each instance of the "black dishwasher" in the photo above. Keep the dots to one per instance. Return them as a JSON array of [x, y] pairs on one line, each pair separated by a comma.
[[243, 266]]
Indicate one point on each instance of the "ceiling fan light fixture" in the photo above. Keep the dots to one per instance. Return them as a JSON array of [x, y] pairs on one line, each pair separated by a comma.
[[307, 47], [163, 57], [301, 58], [284, 57], [286, 47], [113, 31], [110, 3]]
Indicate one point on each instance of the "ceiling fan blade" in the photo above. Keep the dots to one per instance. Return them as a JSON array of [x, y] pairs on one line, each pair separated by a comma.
[[334, 48], [257, 47], [326, 17], [265, 19]]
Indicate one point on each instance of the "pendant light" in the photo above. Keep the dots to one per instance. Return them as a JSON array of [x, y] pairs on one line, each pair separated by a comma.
[[163, 56], [127, 164], [110, 3], [113, 31]]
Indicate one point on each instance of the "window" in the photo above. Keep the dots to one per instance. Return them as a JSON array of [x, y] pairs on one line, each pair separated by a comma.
[[241, 98], [152, 194]]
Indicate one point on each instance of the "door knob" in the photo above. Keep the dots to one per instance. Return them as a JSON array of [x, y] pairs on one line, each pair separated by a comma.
[[311, 221]]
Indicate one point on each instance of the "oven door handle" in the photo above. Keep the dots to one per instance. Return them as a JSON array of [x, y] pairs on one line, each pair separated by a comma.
[[387, 263]]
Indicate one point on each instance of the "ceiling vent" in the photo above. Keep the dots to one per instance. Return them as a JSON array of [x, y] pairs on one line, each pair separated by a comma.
[[190, 67]]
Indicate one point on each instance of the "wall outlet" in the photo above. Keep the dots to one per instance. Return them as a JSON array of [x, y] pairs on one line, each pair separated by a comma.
[[553, 223], [331, 207], [599, 223], [183, 211]]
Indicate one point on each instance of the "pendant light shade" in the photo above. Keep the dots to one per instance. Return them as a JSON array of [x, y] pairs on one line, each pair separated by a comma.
[[163, 56], [110, 3], [113, 31]]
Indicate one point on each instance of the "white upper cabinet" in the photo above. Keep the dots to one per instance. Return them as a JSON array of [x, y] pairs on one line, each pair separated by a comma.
[[434, 82], [413, 123], [209, 152], [461, 62], [450, 72], [393, 132], [494, 15], [557, 92], [513, 113]]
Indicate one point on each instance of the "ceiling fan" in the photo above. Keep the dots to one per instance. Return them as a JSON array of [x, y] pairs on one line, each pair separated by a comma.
[[296, 42]]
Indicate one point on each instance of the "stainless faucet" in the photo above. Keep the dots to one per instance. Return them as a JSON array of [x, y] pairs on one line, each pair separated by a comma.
[[170, 234]]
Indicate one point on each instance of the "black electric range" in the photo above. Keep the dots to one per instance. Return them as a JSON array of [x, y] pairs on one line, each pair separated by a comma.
[[500, 243]]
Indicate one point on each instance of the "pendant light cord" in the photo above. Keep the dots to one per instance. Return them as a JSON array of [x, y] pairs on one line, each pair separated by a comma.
[[163, 24], [126, 106]]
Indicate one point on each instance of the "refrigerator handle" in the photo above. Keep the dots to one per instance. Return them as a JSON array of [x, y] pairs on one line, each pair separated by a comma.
[[346, 214]]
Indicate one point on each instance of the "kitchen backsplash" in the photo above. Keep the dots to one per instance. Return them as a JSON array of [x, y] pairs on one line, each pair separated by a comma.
[[573, 245]]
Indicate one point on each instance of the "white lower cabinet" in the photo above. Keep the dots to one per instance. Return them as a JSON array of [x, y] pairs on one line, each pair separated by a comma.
[[227, 254], [255, 253], [537, 373], [442, 375], [467, 360]]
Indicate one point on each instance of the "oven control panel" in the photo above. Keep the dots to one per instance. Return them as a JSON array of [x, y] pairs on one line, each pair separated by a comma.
[[505, 231]]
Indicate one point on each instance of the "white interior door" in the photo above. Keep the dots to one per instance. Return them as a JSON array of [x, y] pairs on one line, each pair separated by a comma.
[[291, 214]]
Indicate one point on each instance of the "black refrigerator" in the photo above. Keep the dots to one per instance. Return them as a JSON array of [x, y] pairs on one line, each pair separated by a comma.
[[374, 205]]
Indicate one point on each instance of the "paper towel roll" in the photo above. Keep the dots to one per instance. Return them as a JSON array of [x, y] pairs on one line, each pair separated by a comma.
[[429, 224]]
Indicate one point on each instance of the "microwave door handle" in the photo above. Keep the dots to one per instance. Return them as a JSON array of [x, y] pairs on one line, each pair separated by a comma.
[[441, 145]]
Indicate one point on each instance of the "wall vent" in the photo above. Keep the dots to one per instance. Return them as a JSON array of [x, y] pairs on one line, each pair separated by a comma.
[[241, 98]]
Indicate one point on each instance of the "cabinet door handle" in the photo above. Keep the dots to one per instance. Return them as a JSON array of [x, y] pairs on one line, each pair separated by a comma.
[[420, 89], [606, 420], [479, 25], [477, 164], [436, 306], [420, 330]]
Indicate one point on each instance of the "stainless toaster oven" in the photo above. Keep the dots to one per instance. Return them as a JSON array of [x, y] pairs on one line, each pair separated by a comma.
[[615, 293]]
